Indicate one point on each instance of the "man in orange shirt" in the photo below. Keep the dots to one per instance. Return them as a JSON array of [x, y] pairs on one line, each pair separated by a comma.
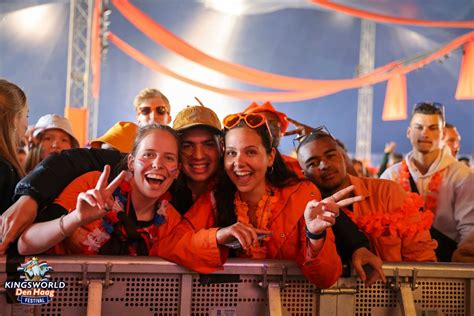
[[388, 215]]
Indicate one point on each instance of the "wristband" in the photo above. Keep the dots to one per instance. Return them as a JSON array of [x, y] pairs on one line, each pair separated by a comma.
[[312, 236], [61, 227]]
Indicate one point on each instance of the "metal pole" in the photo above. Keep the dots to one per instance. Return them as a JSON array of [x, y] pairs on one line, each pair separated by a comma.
[[274, 299], [408, 305], [365, 97], [94, 298]]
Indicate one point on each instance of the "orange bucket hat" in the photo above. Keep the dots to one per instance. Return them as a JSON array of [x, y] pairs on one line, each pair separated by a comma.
[[121, 136], [268, 107]]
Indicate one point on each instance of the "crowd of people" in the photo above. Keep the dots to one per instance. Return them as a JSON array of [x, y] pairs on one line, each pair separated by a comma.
[[200, 191]]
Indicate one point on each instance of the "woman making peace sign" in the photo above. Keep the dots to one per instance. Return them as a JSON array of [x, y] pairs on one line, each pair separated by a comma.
[[125, 217], [260, 195]]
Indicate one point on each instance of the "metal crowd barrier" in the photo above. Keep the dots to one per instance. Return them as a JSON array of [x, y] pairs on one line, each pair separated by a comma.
[[101, 285]]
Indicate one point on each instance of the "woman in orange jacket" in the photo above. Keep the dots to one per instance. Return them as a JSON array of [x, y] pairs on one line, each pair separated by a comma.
[[262, 204]]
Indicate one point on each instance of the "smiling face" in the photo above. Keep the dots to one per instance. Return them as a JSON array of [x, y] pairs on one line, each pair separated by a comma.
[[246, 160], [155, 164], [200, 152], [323, 163], [54, 141], [425, 132]]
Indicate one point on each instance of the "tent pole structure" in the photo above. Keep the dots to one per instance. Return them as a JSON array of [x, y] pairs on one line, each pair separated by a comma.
[[79, 79], [365, 94]]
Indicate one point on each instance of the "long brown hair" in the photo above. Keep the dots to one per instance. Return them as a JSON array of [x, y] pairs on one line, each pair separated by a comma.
[[33, 158], [12, 103]]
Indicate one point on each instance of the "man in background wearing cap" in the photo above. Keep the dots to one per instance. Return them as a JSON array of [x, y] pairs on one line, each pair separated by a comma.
[[200, 152], [152, 106]]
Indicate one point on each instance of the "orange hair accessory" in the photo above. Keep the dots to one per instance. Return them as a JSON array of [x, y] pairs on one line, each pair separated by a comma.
[[268, 107]]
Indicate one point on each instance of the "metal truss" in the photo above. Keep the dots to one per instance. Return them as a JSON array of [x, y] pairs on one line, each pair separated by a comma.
[[365, 95], [79, 79]]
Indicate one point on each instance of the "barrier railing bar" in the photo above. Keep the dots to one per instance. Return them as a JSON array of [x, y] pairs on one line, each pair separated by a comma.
[[470, 296], [94, 298], [274, 299], [97, 264], [186, 294], [408, 305]]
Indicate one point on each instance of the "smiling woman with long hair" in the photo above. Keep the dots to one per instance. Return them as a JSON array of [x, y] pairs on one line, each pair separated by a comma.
[[13, 125], [262, 204], [124, 217]]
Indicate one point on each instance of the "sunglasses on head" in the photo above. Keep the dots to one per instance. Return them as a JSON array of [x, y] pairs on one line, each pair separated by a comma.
[[438, 107], [146, 110], [321, 130], [252, 120]]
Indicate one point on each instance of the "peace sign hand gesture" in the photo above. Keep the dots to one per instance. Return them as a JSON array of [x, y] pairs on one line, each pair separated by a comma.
[[320, 215], [94, 203]]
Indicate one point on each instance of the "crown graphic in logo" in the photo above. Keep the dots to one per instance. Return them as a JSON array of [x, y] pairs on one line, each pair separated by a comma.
[[34, 270]]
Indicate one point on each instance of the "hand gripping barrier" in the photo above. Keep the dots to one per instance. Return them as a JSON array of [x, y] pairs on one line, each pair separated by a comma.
[[101, 285]]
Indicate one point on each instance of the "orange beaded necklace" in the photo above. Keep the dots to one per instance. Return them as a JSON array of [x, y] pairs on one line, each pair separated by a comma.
[[263, 214]]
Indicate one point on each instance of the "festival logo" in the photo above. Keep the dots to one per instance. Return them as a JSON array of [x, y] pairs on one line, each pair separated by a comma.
[[34, 286]]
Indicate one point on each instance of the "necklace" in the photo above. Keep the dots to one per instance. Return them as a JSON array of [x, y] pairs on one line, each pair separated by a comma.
[[431, 198], [263, 215], [103, 229], [398, 223]]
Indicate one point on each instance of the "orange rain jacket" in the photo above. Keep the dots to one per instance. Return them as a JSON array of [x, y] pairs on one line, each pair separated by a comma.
[[287, 242]]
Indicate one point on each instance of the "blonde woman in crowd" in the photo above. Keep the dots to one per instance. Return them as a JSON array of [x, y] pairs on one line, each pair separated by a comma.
[[13, 125]]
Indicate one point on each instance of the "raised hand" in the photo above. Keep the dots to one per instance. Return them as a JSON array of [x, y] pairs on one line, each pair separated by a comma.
[[390, 147], [94, 204], [320, 215]]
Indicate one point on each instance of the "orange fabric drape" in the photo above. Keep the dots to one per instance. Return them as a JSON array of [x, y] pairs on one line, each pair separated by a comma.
[[165, 38], [395, 105], [286, 96], [319, 87], [390, 19], [78, 118], [378, 75], [465, 88], [96, 49]]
